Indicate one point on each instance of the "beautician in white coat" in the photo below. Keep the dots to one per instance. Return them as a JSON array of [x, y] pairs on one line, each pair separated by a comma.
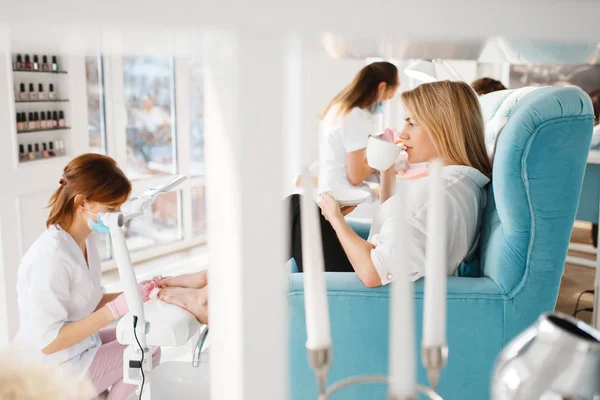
[[62, 305], [347, 124]]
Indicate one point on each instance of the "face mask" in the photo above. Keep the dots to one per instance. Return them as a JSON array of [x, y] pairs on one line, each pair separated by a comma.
[[99, 226], [377, 107]]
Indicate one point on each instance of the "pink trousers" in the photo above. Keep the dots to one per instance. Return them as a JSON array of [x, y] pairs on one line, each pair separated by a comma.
[[107, 368]]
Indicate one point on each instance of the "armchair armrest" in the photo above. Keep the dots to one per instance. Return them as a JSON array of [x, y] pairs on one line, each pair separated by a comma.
[[360, 326], [348, 283]]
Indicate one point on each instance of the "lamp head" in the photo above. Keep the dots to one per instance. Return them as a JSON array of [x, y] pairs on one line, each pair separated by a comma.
[[557, 355]]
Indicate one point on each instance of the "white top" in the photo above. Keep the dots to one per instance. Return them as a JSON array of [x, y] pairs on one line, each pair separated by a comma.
[[465, 201], [338, 137], [55, 286]]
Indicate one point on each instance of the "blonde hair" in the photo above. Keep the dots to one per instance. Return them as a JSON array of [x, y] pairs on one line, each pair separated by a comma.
[[449, 113], [22, 377], [362, 92]]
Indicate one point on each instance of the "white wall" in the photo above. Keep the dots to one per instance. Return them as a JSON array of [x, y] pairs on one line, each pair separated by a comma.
[[27, 187]]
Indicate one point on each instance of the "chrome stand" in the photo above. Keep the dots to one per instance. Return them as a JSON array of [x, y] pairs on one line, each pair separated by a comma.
[[320, 361], [434, 360], [357, 380]]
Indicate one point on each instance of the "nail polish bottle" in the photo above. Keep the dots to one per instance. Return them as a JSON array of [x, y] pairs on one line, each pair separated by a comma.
[[54, 119], [45, 152], [51, 92], [23, 96], [41, 93], [30, 153], [38, 123], [23, 121], [43, 121], [45, 65], [32, 93], [54, 64], [51, 152], [22, 155], [63, 151], [19, 63], [61, 120], [38, 153], [31, 124], [36, 63], [27, 62]]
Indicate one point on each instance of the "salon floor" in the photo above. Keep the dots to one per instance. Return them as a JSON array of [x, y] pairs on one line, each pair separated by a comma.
[[575, 280]]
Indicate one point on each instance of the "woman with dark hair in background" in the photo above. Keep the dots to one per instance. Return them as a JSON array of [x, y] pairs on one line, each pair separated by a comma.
[[487, 85]]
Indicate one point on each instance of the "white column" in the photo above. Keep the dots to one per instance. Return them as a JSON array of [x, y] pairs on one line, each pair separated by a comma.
[[9, 243], [183, 118], [116, 114], [244, 105]]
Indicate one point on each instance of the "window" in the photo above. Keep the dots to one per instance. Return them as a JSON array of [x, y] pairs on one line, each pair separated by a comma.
[[197, 116], [148, 85], [146, 144], [95, 104], [158, 226]]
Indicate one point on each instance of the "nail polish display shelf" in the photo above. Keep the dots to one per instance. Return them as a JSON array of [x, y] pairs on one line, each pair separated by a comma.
[[50, 160], [39, 71], [44, 130], [42, 101]]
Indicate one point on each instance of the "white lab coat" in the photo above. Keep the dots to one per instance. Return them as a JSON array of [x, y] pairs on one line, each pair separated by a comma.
[[465, 197], [55, 286], [337, 138]]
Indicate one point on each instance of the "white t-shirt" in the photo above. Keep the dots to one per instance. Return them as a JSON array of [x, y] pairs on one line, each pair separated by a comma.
[[55, 286], [465, 201], [338, 137]]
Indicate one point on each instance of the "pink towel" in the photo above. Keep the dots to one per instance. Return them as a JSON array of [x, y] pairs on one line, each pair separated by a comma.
[[414, 173]]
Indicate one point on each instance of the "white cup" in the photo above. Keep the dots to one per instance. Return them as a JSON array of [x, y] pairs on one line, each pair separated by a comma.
[[381, 154]]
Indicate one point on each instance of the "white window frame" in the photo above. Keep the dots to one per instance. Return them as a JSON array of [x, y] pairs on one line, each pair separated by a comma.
[[116, 122]]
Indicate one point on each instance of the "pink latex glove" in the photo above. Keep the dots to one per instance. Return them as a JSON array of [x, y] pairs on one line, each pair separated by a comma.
[[388, 135], [118, 307]]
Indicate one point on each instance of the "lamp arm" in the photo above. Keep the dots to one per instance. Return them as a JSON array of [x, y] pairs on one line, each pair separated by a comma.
[[453, 72]]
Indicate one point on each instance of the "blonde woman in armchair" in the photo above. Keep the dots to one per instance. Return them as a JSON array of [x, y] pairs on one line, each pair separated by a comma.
[[444, 121]]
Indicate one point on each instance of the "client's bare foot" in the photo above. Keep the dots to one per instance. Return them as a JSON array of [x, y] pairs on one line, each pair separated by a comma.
[[193, 300], [196, 280]]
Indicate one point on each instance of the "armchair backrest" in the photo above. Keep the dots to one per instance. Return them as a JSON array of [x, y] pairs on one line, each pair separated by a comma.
[[539, 162]]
